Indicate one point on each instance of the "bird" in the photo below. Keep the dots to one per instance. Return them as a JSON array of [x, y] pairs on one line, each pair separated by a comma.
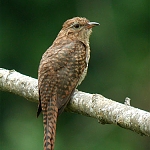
[[62, 68]]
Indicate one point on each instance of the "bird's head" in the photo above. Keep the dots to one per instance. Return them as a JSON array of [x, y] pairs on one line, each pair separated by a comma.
[[78, 28]]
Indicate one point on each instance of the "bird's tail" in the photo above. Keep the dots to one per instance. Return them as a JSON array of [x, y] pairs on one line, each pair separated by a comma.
[[49, 120]]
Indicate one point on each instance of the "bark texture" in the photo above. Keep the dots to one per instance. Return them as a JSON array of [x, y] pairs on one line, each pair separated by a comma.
[[106, 111]]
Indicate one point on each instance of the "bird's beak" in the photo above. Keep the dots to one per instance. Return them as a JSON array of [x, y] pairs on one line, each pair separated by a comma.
[[92, 24]]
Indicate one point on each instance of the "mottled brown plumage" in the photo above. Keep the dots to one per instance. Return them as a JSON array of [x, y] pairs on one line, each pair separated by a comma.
[[62, 68]]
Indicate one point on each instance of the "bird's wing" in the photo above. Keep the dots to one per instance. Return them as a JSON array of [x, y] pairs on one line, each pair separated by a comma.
[[60, 73]]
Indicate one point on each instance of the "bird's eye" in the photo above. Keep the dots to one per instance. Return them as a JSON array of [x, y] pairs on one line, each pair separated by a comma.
[[76, 26]]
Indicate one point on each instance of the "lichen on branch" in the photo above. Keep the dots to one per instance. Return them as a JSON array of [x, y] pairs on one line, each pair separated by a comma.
[[106, 111]]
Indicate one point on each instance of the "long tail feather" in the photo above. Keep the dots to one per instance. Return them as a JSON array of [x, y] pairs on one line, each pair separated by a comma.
[[50, 120]]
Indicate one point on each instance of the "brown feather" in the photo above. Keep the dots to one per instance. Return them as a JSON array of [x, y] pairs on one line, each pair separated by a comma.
[[63, 66]]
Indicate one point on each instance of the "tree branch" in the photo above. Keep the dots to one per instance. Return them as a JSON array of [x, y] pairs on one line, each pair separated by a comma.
[[92, 105]]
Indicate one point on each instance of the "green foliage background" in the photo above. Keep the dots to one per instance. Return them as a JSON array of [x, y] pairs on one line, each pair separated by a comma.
[[119, 67]]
